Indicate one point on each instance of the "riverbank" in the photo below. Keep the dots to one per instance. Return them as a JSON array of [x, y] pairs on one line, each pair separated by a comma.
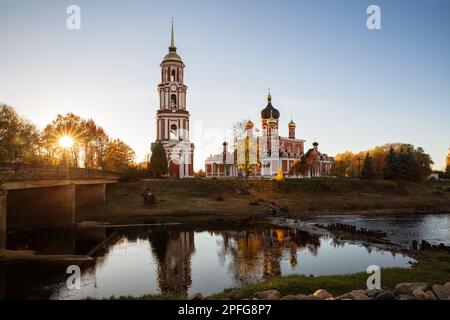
[[210, 200], [431, 268]]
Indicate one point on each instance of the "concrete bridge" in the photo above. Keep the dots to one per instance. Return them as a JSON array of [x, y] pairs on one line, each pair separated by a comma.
[[40, 197]]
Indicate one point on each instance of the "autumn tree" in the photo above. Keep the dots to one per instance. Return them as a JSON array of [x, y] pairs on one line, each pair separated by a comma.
[[118, 156], [69, 125], [89, 141], [245, 148], [367, 171], [18, 136], [300, 168], [158, 161]]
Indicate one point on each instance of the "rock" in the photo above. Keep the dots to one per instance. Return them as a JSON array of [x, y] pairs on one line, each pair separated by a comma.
[[268, 295], [419, 294], [196, 296], [322, 294], [405, 297], [312, 297], [407, 288], [424, 295], [372, 293], [385, 295], [254, 203], [430, 295], [284, 209], [220, 198], [354, 295], [380, 294], [295, 297], [288, 297], [442, 292], [236, 295]]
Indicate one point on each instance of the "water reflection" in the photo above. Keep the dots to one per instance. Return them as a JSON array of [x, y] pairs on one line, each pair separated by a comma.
[[181, 261], [257, 254], [173, 251]]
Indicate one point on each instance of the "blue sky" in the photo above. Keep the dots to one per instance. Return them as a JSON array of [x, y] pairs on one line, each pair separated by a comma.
[[347, 87]]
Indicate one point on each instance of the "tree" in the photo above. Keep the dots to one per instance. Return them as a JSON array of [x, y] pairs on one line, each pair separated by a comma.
[[280, 175], [18, 136], [245, 148], [118, 156], [158, 161], [367, 170], [447, 168], [409, 166], [424, 163], [392, 166], [300, 168], [89, 141]]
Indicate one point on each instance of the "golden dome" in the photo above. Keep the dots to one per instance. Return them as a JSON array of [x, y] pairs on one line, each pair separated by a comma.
[[249, 124], [272, 121], [292, 124]]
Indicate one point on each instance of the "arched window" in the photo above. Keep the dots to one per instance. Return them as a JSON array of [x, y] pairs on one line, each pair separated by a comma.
[[172, 78], [173, 101], [173, 132]]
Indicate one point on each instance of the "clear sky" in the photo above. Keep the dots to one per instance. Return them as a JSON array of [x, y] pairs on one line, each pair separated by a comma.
[[347, 87]]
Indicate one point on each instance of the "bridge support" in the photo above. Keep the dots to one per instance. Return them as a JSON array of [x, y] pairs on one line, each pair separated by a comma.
[[49, 206], [90, 194], [2, 219]]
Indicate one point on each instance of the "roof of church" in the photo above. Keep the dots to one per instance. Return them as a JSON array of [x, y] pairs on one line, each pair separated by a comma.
[[172, 55], [270, 111]]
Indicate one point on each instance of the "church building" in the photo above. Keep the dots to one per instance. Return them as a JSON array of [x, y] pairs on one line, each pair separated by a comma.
[[172, 117], [267, 154]]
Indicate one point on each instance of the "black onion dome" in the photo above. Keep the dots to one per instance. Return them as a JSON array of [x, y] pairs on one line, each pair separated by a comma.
[[270, 110]]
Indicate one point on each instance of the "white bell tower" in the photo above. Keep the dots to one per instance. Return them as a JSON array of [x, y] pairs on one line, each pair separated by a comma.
[[172, 117]]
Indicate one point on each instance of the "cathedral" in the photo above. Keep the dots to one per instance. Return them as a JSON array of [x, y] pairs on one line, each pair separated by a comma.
[[172, 117], [268, 154]]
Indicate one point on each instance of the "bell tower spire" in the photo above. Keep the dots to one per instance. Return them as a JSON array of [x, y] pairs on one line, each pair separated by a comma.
[[172, 39]]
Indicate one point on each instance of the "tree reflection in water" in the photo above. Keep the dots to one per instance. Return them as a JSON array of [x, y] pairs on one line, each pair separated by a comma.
[[254, 254], [257, 254]]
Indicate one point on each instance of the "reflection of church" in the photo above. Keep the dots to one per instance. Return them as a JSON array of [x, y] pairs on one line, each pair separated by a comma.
[[172, 117], [257, 255], [173, 251]]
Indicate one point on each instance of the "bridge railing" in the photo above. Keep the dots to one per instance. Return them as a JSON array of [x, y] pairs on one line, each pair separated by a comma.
[[27, 171]]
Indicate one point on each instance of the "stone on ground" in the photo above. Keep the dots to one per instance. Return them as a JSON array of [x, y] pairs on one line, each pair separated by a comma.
[[354, 295], [322, 294], [196, 296], [236, 295], [442, 292], [268, 295], [407, 288]]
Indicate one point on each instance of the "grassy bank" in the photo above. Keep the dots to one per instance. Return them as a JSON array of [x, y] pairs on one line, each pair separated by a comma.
[[196, 199], [431, 268]]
